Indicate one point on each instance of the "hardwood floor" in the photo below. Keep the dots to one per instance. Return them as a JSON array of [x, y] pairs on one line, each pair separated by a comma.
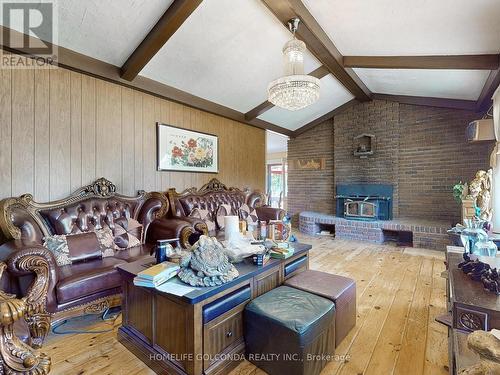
[[399, 292]]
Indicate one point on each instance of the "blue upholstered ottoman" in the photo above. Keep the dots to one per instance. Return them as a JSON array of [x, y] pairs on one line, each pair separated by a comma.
[[289, 331]]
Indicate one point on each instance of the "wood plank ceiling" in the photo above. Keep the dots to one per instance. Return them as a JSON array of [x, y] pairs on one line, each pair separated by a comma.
[[218, 57]]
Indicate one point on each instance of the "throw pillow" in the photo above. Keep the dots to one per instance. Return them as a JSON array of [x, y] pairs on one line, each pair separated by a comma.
[[223, 210], [107, 241], [72, 248], [58, 246], [205, 216], [127, 233], [248, 214]]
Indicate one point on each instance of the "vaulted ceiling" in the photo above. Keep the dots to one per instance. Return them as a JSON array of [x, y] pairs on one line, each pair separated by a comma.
[[226, 52]]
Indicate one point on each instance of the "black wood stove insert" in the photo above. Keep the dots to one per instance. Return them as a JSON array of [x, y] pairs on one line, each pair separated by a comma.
[[364, 201]]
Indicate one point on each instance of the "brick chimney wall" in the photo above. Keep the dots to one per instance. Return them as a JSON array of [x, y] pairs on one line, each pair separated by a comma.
[[420, 150]]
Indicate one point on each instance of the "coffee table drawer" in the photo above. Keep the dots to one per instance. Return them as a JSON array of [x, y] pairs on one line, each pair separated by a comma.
[[295, 266], [222, 334]]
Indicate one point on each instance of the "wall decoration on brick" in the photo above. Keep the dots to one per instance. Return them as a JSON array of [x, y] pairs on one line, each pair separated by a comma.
[[309, 164], [364, 145]]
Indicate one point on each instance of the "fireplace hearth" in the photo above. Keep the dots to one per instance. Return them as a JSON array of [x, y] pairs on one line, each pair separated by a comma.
[[364, 201]]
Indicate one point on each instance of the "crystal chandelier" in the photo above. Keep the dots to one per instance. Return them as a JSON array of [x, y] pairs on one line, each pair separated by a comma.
[[295, 90]]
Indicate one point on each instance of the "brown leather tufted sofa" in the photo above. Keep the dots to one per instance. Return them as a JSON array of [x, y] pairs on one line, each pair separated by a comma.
[[211, 195], [91, 285]]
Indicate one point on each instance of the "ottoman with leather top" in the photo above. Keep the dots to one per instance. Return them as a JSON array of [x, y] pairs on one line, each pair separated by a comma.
[[289, 331], [339, 289]]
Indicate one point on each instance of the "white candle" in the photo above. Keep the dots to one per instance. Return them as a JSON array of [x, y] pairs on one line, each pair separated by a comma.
[[231, 227]]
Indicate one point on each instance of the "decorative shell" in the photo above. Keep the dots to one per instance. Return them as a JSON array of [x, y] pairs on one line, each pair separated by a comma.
[[207, 264]]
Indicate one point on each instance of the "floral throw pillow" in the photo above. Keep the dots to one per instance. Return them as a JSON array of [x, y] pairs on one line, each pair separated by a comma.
[[204, 215], [127, 233], [107, 241], [72, 248], [58, 246], [248, 214], [223, 210]]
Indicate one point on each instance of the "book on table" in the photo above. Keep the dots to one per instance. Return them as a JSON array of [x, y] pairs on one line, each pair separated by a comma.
[[156, 275], [280, 253]]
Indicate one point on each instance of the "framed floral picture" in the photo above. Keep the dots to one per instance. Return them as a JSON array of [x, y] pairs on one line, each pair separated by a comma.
[[186, 150]]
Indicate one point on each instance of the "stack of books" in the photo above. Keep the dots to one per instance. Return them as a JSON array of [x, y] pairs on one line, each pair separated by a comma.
[[156, 275], [261, 259], [281, 253]]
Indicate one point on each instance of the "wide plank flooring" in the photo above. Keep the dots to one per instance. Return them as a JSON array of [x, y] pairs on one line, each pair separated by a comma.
[[399, 293]]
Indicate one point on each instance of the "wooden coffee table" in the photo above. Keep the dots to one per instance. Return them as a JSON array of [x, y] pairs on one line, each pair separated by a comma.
[[175, 335]]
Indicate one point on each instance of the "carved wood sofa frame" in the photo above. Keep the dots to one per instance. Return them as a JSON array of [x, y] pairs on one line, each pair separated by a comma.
[[38, 261], [16, 357]]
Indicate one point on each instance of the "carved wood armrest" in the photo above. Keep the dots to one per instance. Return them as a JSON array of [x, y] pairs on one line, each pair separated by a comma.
[[176, 227], [16, 356], [41, 262]]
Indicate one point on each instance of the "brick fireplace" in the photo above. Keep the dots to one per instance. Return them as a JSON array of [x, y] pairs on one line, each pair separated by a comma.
[[420, 151]]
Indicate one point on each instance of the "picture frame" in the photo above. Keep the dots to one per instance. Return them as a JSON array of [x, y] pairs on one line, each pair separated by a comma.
[[185, 150]]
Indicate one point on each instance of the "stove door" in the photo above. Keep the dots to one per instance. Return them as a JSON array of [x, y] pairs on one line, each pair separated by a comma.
[[360, 209], [368, 209], [351, 208]]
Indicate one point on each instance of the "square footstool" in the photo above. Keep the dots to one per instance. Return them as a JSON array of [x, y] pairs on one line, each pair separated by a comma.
[[289, 331], [339, 289]]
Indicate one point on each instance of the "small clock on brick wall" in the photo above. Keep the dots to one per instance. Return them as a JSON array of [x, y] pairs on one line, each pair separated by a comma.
[[364, 145]]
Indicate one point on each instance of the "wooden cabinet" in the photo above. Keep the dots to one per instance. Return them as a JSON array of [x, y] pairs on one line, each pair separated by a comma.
[[470, 308], [201, 332], [135, 315], [295, 265], [267, 281], [223, 337]]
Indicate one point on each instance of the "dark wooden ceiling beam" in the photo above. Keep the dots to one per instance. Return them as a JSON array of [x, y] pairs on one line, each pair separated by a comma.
[[325, 117], [318, 42], [267, 105], [481, 62], [484, 101], [469, 105], [166, 26], [87, 65], [260, 109]]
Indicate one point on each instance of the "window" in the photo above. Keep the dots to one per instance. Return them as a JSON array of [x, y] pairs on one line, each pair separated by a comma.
[[277, 178]]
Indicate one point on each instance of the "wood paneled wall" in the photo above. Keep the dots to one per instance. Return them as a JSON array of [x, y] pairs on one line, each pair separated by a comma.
[[61, 129]]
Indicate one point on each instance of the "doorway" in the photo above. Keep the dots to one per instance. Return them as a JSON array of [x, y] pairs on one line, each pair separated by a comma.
[[276, 170]]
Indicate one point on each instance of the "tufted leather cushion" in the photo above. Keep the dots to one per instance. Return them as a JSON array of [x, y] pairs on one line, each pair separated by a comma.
[[87, 215], [211, 201]]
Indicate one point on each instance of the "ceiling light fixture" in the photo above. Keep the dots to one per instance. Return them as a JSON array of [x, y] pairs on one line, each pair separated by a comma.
[[295, 90]]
